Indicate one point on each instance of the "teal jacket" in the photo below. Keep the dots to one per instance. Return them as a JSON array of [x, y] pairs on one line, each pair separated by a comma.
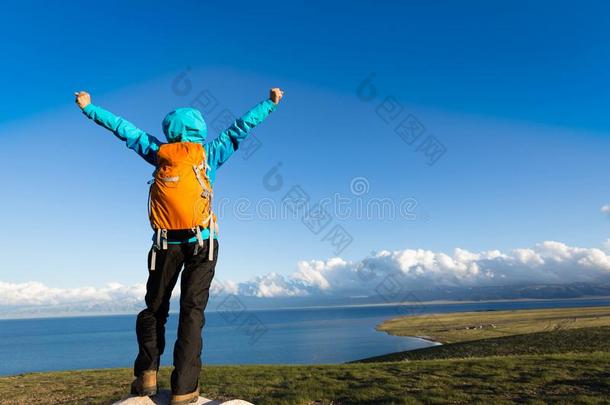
[[184, 125]]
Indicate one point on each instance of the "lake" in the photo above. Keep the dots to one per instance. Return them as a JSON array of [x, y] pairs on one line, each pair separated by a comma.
[[290, 336]]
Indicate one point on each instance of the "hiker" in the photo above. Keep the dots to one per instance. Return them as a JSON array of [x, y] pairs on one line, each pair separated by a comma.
[[185, 232]]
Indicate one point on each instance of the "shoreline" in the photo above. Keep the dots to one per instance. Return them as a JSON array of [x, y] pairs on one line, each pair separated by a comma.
[[424, 338]]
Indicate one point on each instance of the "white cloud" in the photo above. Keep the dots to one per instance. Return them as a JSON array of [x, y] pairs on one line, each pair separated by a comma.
[[546, 262], [35, 293], [605, 209]]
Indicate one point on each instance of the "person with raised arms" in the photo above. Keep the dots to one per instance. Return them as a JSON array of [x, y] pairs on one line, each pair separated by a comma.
[[185, 232]]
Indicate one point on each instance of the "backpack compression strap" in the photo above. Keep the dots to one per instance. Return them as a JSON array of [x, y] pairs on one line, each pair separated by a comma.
[[206, 193]]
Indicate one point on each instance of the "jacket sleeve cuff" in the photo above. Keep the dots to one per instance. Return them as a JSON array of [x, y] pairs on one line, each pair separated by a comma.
[[270, 104], [89, 110]]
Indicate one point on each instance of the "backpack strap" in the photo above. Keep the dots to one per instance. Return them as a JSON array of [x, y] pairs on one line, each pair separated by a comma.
[[206, 193], [160, 244], [153, 258], [211, 249], [199, 239]]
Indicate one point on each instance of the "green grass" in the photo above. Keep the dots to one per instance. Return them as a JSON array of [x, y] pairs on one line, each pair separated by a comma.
[[562, 378], [458, 327], [583, 340]]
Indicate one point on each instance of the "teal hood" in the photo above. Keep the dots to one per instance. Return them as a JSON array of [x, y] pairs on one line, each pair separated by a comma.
[[185, 125]]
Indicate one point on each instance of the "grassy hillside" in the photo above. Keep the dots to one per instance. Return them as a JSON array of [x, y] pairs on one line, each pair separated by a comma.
[[582, 340], [464, 326], [563, 378]]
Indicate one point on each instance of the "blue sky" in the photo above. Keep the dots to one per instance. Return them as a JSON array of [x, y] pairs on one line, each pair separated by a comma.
[[517, 92]]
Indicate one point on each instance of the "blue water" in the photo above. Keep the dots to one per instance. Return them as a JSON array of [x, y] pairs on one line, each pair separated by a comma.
[[295, 336]]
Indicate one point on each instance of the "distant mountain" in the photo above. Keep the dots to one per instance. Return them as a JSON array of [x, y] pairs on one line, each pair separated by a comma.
[[535, 291], [490, 293], [224, 302]]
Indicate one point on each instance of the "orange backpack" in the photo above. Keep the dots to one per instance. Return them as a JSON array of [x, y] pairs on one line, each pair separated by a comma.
[[181, 194]]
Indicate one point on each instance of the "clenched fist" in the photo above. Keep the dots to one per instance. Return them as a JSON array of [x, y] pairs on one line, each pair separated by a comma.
[[83, 99], [275, 94]]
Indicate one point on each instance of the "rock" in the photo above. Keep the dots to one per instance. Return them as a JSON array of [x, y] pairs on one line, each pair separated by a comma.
[[163, 398]]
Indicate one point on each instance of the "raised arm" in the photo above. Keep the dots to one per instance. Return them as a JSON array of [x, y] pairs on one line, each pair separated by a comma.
[[142, 143], [221, 148]]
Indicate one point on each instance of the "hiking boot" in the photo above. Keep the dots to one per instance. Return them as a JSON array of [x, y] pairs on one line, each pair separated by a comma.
[[185, 398], [145, 385]]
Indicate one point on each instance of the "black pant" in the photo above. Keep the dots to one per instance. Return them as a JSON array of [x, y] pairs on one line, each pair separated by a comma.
[[194, 293]]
